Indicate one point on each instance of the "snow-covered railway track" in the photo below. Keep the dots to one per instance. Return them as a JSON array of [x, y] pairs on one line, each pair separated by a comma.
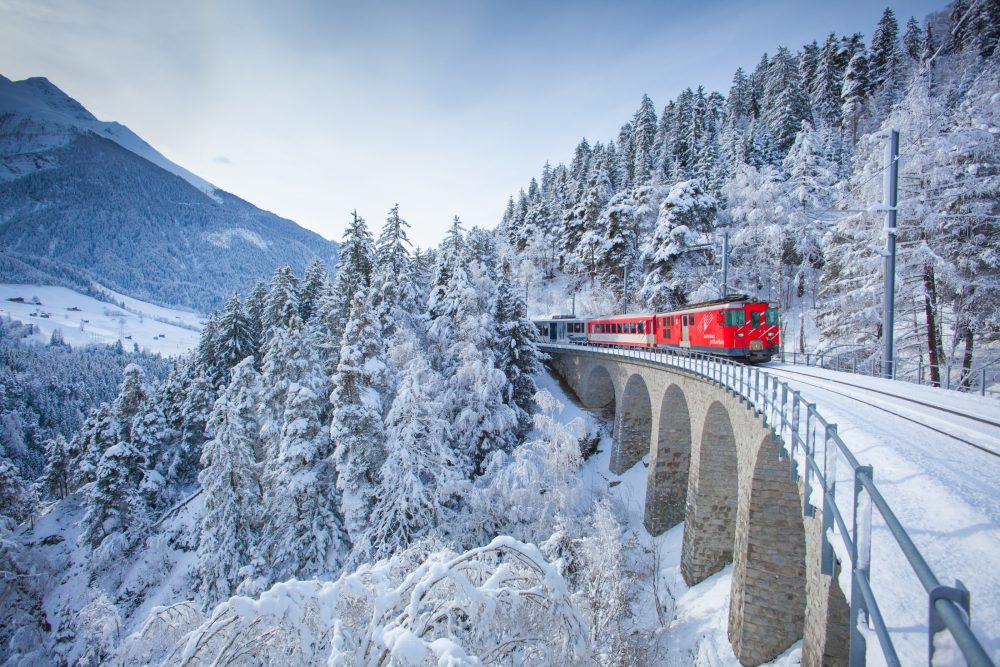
[[825, 384]]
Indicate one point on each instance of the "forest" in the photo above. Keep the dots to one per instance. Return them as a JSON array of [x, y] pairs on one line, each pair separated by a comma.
[[790, 166]]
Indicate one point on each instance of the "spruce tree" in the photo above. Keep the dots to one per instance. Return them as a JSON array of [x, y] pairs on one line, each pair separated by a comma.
[[233, 498], [356, 425], [234, 336], [420, 479], [55, 477], [854, 94], [913, 39], [354, 274], [282, 299], [312, 285], [644, 125], [112, 501], [517, 351]]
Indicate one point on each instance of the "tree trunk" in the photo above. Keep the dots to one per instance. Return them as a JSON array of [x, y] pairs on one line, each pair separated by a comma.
[[966, 381], [934, 351]]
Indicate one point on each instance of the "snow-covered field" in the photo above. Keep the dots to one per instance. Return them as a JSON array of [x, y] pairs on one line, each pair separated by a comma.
[[83, 320]]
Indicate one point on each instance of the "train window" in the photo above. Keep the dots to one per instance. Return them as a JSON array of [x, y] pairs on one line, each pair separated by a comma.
[[772, 316], [735, 318], [642, 327], [755, 319], [667, 334]]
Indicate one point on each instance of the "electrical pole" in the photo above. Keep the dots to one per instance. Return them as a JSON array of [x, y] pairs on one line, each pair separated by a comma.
[[890, 197], [725, 265], [625, 292]]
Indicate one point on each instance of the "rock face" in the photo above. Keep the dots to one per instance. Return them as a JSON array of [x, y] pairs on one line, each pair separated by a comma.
[[86, 201]]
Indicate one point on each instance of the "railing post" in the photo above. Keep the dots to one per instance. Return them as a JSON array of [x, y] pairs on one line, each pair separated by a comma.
[[958, 594], [794, 467], [982, 382], [830, 453], [756, 386], [948, 375], [784, 420], [809, 444], [860, 562]]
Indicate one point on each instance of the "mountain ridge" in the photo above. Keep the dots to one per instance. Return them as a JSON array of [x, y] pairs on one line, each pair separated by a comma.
[[87, 200]]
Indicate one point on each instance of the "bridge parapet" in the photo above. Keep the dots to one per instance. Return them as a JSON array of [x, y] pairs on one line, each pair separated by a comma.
[[752, 469]]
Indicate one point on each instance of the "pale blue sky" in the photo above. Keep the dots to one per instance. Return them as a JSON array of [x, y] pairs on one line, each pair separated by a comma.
[[311, 109]]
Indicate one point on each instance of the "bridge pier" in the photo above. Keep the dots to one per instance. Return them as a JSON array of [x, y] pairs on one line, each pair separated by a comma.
[[669, 466]]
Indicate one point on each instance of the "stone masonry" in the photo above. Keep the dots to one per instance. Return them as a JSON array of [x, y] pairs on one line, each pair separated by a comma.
[[714, 464]]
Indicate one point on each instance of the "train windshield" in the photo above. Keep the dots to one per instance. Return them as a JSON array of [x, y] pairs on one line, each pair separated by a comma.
[[771, 316], [735, 318]]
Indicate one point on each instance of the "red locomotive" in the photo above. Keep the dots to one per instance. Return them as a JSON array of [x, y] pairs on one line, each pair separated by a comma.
[[736, 326]]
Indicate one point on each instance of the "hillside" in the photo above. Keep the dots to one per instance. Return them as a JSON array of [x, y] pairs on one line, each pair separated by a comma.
[[83, 200]]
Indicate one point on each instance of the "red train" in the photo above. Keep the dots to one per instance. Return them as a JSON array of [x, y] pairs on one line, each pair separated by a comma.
[[737, 327]]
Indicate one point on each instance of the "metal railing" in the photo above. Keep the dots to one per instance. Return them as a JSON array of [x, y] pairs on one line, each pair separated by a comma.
[[976, 380], [817, 448]]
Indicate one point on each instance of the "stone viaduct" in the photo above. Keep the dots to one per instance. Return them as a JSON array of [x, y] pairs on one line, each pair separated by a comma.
[[715, 465]]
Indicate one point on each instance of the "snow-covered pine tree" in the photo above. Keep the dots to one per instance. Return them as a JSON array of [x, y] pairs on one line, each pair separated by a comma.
[[913, 39], [644, 125], [354, 274], [808, 188], [826, 85], [304, 537], [97, 434], [517, 350], [55, 478], [233, 337], [854, 95], [151, 436], [233, 499], [133, 395], [282, 299], [394, 290], [674, 269], [356, 424], [420, 478], [285, 364], [114, 507], [885, 65], [255, 308], [450, 257], [313, 282], [481, 422], [785, 102], [206, 357], [17, 499], [199, 397]]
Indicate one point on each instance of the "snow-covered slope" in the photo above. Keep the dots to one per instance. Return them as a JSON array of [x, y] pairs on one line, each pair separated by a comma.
[[86, 201], [35, 116], [83, 320]]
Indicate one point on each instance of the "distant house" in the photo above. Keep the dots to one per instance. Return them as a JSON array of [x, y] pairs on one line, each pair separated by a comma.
[[73, 309], [16, 299]]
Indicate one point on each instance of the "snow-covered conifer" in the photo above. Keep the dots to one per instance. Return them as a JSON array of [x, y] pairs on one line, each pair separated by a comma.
[[420, 475], [230, 483], [282, 299], [356, 425], [113, 504], [234, 336], [55, 477]]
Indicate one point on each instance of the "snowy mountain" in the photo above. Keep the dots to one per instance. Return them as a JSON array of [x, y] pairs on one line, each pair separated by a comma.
[[85, 200]]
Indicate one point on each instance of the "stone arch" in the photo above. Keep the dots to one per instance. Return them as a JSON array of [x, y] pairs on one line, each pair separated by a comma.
[[710, 514], [598, 388], [666, 487], [633, 425], [768, 601]]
